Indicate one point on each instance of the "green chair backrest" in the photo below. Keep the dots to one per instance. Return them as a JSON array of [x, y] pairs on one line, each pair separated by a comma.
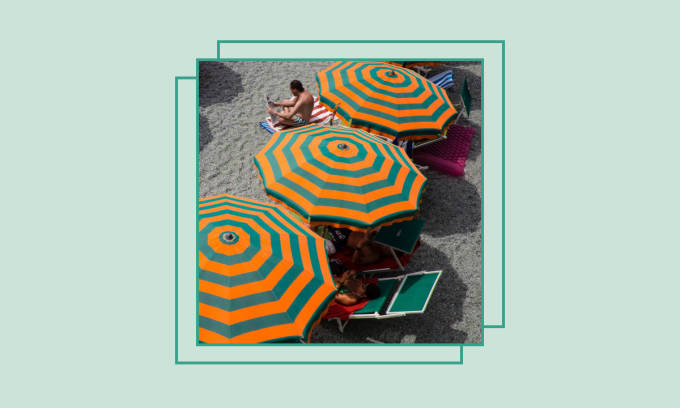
[[386, 286], [414, 293], [402, 235], [466, 97]]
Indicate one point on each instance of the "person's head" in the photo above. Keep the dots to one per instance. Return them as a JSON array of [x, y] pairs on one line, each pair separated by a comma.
[[372, 291], [296, 87], [337, 268]]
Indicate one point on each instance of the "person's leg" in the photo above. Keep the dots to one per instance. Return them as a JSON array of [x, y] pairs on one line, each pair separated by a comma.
[[287, 122], [295, 121]]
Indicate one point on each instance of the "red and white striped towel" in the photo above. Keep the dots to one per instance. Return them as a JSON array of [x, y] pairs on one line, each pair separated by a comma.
[[320, 115]]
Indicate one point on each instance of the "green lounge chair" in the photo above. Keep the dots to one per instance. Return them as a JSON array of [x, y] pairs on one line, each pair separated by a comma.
[[399, 296], [401, 236], [465, 101]]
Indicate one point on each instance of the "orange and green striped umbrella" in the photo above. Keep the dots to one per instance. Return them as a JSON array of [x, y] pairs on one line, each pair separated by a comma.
[[340, 176], [385, 99], [263, 276]]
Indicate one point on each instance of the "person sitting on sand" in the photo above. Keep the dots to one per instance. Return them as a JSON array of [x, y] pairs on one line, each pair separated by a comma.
[[296, 111], [351, 290]]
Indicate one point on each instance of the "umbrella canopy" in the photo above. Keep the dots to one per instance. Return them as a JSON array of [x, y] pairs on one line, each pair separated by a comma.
[[341, 177], [262, 275], [385, 99]]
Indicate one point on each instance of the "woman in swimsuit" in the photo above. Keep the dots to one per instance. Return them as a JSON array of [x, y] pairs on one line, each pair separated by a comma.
[[352, 291]]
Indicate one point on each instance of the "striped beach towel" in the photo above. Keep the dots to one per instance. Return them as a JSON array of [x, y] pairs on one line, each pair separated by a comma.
[[442, 79], [320, 116]]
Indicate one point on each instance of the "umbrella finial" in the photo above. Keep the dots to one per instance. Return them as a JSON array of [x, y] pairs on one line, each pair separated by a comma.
[[229, 237]]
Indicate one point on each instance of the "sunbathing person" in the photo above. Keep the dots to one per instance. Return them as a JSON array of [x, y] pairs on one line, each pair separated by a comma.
[[352, 291], [296, 111]]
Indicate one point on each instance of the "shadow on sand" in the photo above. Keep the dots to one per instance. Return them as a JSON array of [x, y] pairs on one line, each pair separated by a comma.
[[205, 136], [217, 83], [450, 205]]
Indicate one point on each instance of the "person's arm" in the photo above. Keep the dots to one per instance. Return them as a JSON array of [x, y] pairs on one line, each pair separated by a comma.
[[363, 241], [291, 112], [287, 102], [347, 299]]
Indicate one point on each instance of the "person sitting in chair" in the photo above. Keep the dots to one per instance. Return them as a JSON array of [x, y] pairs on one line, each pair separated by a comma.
[[365, 252], [296, 111], [369, 253]]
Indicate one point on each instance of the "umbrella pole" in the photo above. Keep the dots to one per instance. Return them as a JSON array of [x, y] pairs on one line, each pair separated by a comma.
[[333, 115]]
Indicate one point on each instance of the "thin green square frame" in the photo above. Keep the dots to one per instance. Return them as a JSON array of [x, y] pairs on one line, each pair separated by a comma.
[[503, 298]]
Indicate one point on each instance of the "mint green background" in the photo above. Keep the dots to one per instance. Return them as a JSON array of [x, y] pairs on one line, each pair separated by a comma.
[[592, 206]]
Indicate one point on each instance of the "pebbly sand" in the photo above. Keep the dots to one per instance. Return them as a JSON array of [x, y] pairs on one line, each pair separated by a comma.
[[232, 103]]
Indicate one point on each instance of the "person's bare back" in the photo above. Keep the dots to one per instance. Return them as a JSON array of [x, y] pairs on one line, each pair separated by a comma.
[[306, 105]]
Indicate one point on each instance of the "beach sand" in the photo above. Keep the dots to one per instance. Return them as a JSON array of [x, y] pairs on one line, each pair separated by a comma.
[[232, 103]]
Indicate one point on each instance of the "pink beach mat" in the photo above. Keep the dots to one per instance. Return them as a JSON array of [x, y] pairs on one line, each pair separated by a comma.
[[448, 155]]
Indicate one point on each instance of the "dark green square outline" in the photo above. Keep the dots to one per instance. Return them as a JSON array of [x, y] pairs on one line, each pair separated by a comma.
[[460, 345]]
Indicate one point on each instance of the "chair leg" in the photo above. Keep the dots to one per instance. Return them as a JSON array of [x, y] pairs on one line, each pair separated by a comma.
[[396, 258], [458, 114], [341, 325]]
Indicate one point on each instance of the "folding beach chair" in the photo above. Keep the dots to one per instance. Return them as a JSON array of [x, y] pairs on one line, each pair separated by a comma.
[[399, 296], [465, 101], [443, 79], [464, 105], [402, 237]]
